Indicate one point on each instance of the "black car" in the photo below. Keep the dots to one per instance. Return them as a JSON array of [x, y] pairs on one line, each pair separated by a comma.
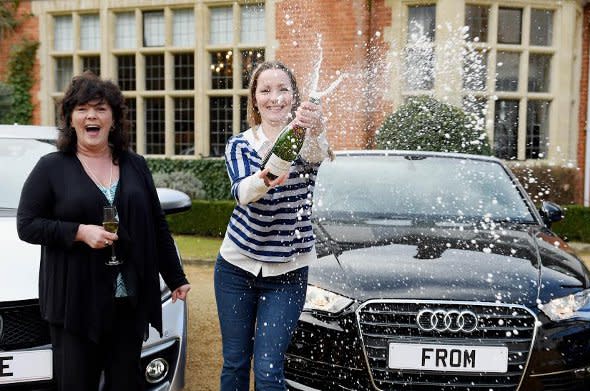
[[436, 272]]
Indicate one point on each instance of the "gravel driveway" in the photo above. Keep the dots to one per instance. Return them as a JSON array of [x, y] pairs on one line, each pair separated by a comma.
[[204, 339]]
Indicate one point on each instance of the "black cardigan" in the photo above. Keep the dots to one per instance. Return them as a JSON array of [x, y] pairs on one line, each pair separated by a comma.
[[75, 285]]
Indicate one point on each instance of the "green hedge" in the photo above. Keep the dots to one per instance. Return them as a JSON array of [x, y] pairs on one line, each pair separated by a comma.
[[210, 218], [576, 225], [206, 218], [545, 182], [210, 171]]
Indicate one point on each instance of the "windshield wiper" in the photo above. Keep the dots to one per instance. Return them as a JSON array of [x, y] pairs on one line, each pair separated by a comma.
[[330, 242]]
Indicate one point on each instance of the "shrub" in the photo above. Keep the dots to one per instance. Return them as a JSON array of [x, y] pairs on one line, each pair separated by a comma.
[[548, 183], [575, 226], [424, 123], [181, 180], [206, 218], [210, 171]]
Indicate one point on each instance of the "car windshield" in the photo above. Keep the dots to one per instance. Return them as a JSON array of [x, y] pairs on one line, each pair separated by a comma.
[[406, 190], [17, 159]]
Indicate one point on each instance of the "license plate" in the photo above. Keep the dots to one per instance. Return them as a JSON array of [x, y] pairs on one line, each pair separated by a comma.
[[25, 366], [456, 358]]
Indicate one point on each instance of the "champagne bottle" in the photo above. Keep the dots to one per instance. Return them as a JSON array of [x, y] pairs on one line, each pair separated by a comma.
[[285, 149]]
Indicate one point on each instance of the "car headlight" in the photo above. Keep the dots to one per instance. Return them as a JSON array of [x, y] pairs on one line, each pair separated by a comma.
[[319, 299], [569, 306]]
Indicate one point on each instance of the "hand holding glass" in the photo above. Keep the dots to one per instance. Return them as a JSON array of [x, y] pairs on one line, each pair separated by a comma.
[[110, 223]]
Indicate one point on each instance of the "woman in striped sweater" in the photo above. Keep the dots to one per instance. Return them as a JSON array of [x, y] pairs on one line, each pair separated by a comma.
[[261, 270]]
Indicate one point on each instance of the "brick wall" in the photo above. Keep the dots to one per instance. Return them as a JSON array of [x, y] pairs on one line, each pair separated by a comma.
[[352, 42], [29, 29], [583, 102]]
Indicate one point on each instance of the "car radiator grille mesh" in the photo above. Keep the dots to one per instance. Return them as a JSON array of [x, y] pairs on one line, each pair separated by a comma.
[[382, 322], [22, 327]]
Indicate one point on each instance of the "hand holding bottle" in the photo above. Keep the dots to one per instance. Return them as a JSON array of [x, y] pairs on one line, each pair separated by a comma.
[[290, 139], [309, 116], [272, 182]]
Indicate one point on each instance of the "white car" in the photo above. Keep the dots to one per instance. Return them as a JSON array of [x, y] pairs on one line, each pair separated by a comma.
[[25, 349]]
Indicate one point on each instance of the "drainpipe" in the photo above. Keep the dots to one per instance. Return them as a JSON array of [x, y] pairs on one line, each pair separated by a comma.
[[587, 159], [587, 151]]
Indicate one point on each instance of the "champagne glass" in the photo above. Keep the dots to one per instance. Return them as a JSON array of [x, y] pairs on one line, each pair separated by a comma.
[[110, 222]]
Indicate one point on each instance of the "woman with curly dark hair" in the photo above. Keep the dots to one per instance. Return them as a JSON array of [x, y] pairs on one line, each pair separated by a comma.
[[98, 313]]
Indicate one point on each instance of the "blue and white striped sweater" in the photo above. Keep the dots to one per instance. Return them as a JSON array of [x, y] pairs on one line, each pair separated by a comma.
[[277, 227]]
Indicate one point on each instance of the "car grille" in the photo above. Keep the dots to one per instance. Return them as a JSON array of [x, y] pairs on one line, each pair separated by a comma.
[[22, 326], [323, 376], [382, 322]]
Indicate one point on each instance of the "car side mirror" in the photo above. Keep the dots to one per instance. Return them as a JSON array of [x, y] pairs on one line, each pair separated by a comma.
[[173, 201], [551, 213]]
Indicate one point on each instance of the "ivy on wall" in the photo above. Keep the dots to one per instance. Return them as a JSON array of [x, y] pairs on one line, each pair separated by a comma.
[[15, 96], [20, 79], [8, 16]]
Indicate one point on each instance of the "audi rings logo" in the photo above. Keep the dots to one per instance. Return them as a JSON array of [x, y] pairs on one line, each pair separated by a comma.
[[443, 320]]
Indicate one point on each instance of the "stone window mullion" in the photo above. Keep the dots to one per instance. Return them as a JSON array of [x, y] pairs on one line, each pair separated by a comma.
[[523, 84]]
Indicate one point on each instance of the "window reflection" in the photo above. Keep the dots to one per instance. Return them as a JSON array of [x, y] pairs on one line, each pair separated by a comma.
[[250, 59], [421, 23], [126, 72], [221, 70], [89, 32], [154, 72], [64, 71], [541, 27], [539, 72], [153, 29], [507, 69], [537, 129], [476, 19], [221, 26], [132, 117], [184, 126], [220, 124], [92, 64], [244, 113], [252, 24], [125, 30], [63, 33], [184, 71], [506, 129], [509, 25], [183, 28], [155, 126]]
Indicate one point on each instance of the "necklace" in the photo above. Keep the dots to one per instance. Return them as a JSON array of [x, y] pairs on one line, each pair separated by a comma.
[[95, 179]]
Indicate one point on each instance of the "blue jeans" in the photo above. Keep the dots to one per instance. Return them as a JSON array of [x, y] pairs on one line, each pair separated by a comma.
[[257, 316]]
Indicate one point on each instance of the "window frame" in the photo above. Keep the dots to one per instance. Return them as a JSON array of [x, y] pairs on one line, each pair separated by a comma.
[[108, 53], [445, 80]]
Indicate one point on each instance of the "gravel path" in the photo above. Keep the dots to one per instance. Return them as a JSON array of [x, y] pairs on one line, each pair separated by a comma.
[[204, 340]]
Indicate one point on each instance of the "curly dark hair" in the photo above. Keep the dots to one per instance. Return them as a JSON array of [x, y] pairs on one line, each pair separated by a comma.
[[252, 112], [85, 88]]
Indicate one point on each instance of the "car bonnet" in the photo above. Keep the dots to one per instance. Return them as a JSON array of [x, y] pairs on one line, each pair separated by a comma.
[[484, 266]]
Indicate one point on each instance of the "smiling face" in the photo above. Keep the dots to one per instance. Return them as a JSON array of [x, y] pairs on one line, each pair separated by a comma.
[[274, 97], [93, 122]]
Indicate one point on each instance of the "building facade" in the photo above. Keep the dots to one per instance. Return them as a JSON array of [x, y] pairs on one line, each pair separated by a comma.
[[520, 66]]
